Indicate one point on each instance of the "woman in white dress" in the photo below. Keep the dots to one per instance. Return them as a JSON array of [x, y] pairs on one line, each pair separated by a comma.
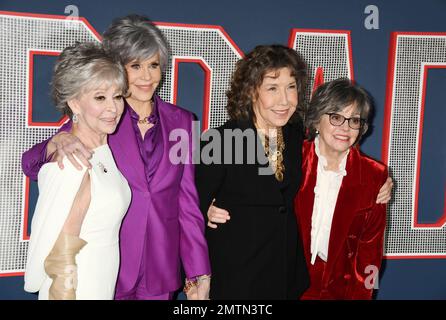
[[74, 247]]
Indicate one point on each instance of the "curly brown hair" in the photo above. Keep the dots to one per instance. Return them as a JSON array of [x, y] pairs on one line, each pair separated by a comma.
[[250, 72]]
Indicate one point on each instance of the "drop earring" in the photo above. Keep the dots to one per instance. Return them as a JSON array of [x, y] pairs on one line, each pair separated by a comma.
[[75, 118]]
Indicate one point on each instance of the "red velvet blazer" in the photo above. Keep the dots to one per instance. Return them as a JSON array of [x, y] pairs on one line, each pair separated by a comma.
[[357, 231]]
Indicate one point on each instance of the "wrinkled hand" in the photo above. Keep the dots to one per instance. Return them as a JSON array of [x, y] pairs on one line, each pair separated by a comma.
[[192, 294], [200, 291], [203, 288], [385, 192], [66, 144], [217, 215]]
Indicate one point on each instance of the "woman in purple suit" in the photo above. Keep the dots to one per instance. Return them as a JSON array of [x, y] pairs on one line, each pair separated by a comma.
[[163, 224]]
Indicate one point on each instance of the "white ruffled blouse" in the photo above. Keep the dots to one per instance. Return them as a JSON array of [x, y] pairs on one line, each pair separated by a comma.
[[328, 184]]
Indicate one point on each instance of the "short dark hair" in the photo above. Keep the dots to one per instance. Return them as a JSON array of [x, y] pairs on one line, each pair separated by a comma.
[[250, 72], [335, 96]]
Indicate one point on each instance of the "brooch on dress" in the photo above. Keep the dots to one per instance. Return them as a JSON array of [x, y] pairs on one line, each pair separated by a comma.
[[103, 168]]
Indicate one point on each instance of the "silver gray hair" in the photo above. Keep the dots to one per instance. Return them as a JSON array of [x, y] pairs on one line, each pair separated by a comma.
[[135, 37], [81, 68], [335, 96]]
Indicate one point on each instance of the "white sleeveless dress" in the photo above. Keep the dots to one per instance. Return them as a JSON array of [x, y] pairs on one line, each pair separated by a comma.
[[98, 260]]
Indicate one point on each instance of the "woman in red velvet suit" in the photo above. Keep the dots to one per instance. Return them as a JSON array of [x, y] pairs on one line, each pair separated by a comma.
[[341, 224]]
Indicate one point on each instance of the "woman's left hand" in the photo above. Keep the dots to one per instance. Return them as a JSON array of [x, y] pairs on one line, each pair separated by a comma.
[[385, 193], [203, 288], [217, 215], [200, 291]]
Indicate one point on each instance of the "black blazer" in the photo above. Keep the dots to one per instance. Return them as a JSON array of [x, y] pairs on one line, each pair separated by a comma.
[[258, 253]]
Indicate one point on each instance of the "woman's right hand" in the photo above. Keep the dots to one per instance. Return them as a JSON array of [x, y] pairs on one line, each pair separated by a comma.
[[217, 215], [66, 144]]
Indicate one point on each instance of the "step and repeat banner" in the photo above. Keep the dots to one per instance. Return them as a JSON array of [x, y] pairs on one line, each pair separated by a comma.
[[395, 49]]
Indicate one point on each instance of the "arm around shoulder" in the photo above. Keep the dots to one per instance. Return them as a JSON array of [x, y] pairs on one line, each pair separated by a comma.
[[37, 156]]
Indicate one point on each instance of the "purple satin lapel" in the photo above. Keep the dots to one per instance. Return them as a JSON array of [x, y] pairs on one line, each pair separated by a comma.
[[168, 121], [126, 152]]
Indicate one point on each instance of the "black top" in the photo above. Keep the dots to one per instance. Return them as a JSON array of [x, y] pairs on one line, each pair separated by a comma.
[[258, 253]]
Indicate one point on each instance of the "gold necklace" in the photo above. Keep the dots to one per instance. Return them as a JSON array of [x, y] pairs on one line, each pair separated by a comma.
[[274, 153], [145, 120]]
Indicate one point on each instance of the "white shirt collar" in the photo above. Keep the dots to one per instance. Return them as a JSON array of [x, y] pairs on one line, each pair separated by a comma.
[[323, 161]]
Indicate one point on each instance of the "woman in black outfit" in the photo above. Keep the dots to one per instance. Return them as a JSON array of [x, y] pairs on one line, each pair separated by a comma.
[[251, 167]]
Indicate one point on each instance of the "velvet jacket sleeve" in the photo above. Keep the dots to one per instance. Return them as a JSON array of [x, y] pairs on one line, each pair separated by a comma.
[[36, 157], [370, 249], [193, 246]]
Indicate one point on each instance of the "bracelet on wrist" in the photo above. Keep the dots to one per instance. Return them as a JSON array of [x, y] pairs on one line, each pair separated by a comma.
[[193, 282]]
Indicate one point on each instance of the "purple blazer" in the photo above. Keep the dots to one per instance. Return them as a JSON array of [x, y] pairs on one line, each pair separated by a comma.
[[163, 213]]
